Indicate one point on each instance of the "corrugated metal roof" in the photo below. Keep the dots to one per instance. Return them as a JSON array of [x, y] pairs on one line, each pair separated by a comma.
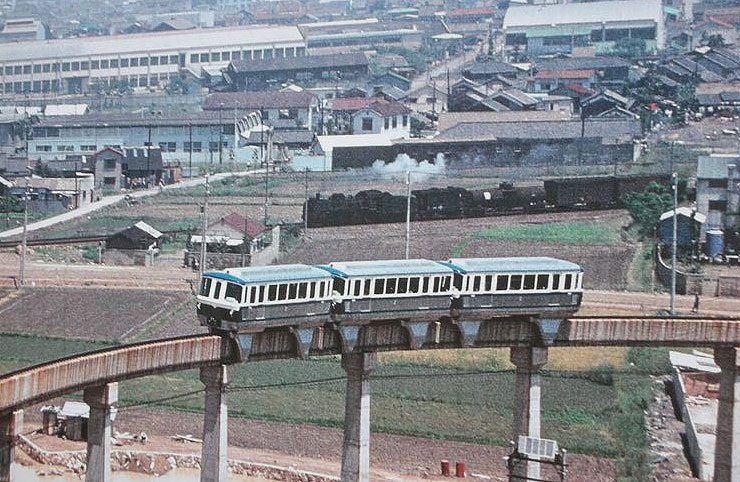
[[328, 143], [514, 265], [591, 12], [715, 166], [684, 211], [242, 37]]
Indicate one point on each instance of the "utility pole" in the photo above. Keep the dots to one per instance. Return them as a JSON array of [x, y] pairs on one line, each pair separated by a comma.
[[305, 206], [204, 242], [674, 177], [408, 212], [236, 128], [190, 150], [149, 156], [24, 238], [220, 134]]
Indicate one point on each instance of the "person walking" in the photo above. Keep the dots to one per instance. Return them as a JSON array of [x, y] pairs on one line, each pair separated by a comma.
[[695, 308]]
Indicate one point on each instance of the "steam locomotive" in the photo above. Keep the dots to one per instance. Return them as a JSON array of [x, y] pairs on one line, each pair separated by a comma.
[[373, 206]]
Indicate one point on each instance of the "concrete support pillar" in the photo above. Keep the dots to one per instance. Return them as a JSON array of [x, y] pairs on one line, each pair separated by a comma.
[[727, 445], [214, 466], [99, 430], [527, 393], [356, 446], [11, 426]]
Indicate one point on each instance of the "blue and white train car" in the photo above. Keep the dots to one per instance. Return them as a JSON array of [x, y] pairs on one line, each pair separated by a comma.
[[257, 295], [533, 286], [390, 288]]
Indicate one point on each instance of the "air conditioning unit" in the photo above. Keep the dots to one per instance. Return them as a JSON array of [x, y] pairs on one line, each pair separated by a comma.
[[539, 448]]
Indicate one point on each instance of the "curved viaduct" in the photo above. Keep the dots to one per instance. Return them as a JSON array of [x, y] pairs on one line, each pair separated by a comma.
[[97, 373]]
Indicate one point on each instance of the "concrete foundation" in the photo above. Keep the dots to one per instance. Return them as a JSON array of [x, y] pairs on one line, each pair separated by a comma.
[[727, 446], [99, 430], [11, 426], [356, 445], [215, 441], [527, 393]]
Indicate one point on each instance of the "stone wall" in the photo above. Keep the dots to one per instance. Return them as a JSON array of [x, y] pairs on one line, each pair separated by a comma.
[[158, 463]]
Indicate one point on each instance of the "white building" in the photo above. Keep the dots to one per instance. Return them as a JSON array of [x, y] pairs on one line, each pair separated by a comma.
[[72, 65], [559, 28]]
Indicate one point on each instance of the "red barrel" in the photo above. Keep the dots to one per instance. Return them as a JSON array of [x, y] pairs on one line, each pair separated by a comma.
[[460, 469], [445, 468]]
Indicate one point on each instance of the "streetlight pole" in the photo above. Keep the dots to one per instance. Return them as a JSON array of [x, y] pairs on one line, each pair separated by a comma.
[[190, 150], [674, 177]]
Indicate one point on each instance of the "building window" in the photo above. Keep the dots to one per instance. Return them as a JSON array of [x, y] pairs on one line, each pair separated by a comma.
[[213, 146], [143, 61], [43, 148], [46, 68], [288, 113], [386, 123], [135, 62], [204, 57], [75, 66], [216, 57], [37, 69], [718, 206], [367, 123], [405, 121], [85, 65], [124, 62], [88, 148], [65, 67], [8, 70], [26, 69], [718, 183], [104, 64], [173, 59], [155, 61], [109, 164], [113, 63], [225, 55], [193, 58], [395, 121], [109, 181], [163, 60]]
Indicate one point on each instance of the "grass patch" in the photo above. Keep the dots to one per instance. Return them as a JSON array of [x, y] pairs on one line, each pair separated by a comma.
[[561, 233], [26, 350]]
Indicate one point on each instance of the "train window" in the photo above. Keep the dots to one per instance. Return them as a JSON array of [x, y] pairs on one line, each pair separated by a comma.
[[502, 282], [403, 284], [425, 285], [556, 282], [437, 282], [292, 291], [339, 285], [323, 287], [476, 283], [458, 281], [446, 283], [542, 281], [529, 280], [489, 282], [515, 282], [253, 293], [233, 290], [282, 292], [302, 289], [379, 286], [217, 290], [390, 286], [261, 298], [205, 287], [414, 285], [568, 281], [366, 290], [272, 293], [312, 290], [357, 287]]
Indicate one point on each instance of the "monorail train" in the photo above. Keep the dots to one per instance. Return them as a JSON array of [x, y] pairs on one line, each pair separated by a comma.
[[254, 298]]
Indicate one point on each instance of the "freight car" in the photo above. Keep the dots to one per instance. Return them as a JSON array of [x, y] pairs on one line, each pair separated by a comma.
[[369, 207]]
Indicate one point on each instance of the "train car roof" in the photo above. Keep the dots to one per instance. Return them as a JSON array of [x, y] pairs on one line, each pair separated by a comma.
[[272, 273], [512, 265], [400, 267]]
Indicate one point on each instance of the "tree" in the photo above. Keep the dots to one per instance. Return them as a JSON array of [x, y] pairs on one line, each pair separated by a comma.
[[647, 206]]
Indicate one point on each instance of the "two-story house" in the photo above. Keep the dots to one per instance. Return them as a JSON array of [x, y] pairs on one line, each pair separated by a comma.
[[389, 118]]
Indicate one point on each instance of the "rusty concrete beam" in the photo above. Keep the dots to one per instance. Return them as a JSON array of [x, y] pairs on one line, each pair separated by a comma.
[[652, 331], [31, 385]]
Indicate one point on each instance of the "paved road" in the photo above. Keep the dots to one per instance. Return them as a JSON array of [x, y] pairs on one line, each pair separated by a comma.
[[109, 200]]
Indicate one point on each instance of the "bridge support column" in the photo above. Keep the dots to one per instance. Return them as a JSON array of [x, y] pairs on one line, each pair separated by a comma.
[[527, 393], [99, 427], [356, 446], [727, 445], [214, 466], [11, 426]]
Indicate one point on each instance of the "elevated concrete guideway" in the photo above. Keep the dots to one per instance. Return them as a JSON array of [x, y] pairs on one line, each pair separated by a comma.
[[97, 373]]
